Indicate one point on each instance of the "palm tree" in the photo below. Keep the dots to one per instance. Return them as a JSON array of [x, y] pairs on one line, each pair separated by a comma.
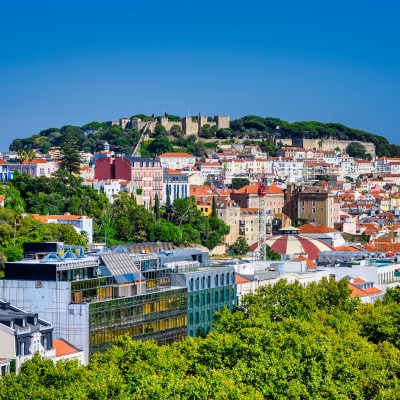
[[22, 156], [30, 155]]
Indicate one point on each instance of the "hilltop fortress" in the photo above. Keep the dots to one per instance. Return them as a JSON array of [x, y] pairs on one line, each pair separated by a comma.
[[189, 125]]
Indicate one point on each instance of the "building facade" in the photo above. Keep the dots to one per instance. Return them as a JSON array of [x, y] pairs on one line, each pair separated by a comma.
[[145, 173], [22, 334], [176, 183], [209, 290], [92, 300]]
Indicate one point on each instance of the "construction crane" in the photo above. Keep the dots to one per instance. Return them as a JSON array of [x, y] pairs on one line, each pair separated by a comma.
[[262, 220]]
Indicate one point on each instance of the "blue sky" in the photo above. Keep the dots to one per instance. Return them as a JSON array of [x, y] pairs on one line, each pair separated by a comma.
[[78, 61]]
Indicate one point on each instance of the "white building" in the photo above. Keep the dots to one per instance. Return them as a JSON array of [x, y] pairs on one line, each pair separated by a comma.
[[177, 160], [81, 223], [110, 187]]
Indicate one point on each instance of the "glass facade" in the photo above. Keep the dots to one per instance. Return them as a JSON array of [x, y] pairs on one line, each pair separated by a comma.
[[209, 290], [161, 316]]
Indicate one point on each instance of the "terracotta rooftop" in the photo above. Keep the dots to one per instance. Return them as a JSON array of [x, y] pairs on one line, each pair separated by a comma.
[[309, 263], [63, 348], [44, 218], [315, 227], [241, 279], [253, 189]]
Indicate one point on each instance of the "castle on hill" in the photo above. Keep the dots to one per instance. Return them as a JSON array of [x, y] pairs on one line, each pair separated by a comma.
[[189, 125]]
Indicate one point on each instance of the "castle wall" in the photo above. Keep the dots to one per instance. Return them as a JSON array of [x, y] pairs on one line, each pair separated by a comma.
[[223, 121], [123, 122], [167, 124], [332, 144], [189, 126]]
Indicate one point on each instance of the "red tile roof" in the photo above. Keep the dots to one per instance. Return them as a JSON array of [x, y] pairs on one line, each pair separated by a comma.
[[63, 348], [253, 189], [240, 279], [314, 227]]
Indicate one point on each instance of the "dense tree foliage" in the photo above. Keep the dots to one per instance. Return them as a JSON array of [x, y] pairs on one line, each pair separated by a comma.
[[91, 137], [357, 150], [122, 222], [285, 342], [240, 247], [238, 183], [312, 130], [69, 153], [16, 230]]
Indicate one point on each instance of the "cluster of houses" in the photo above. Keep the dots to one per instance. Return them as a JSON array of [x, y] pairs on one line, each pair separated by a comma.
[[327, 214]]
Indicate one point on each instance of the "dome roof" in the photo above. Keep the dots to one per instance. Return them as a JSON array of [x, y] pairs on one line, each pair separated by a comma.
[[296, 245]]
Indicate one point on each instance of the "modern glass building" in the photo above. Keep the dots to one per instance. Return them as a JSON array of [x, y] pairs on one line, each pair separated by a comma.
[[209, 290], [92, 300]]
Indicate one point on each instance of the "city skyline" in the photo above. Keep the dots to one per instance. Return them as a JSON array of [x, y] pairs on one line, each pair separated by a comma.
[[72, 63]]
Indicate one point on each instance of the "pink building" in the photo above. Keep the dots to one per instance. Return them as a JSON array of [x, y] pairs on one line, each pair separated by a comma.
[[146, 175], [35, 168]]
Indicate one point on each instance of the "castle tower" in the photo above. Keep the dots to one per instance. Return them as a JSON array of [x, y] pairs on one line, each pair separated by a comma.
[[223, 121]]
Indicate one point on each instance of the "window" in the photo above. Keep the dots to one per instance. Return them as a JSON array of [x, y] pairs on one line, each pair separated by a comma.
[[45, 343], [203, 282], [216, 280], [191, 285], [197, 283], [222, 280], [22, 349], [208, 281], [35, 344]]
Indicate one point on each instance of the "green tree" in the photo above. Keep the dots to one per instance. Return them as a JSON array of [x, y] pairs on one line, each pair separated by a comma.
[[70, 158], [271, 254], [159, 145], [22, 156], [160, 130], [176, 131], [156, 207], [356, 150], [214, 208], [238, 183], [240, 247]]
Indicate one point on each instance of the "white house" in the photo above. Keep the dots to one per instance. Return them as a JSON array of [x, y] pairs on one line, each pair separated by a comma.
[[177, 160]]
